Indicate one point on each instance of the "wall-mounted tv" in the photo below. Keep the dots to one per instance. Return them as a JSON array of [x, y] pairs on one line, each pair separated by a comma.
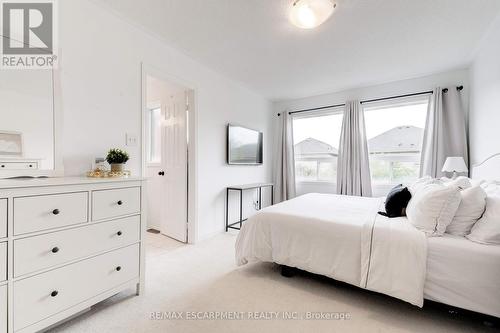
[[244, 145]]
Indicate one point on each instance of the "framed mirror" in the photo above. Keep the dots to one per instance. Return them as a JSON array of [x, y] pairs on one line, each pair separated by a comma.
[[29, 123]]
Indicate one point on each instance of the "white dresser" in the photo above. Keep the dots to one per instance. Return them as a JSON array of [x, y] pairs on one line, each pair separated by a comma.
[[66, 244], [19, 164]]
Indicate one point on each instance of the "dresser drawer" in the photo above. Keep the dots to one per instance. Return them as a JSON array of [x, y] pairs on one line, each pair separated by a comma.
[[3, 218], [34, 253], [44, 212], [3, 261], [3, 309], [18, 165], [44, 295], [116, 202]]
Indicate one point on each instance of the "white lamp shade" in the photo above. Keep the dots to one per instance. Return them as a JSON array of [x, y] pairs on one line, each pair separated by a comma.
[[454, 164], [308, 14]]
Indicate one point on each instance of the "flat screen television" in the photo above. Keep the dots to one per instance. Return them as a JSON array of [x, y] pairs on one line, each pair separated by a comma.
[[244, 145]]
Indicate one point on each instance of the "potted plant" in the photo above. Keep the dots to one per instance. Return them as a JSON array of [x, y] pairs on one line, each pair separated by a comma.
[[117, 158]]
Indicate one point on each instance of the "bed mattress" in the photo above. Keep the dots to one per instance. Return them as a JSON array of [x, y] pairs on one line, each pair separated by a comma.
[[464, 274]]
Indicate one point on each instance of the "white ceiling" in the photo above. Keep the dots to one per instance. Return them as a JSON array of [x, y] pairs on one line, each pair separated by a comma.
[[365, 42]]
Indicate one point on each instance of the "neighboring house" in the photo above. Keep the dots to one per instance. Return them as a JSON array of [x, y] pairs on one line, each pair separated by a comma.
[[312, 149], [315, 160], [395, 156], [400, 140], [396, 141]]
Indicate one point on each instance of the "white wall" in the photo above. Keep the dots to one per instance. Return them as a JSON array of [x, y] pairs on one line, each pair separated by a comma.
[[485, 96], [425, 83], [101, 57]]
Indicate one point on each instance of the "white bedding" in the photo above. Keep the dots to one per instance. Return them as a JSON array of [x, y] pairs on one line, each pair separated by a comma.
[[397, 260], [340, 237], [463, 274]]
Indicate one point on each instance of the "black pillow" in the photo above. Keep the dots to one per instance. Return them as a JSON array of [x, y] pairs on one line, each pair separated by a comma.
[[396, 202]]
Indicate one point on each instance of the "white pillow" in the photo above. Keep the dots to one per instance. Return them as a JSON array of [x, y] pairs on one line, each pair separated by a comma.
[[487, 228], [420, 183], [477, 182], [470, 210], [433, 207], [491, 187], [460, 182]]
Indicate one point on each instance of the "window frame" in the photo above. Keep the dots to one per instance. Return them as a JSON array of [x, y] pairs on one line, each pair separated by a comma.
[[389, 104], [150, 108], [314, 114]]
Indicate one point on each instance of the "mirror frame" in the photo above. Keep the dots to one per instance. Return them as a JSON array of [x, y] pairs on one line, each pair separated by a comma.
[[58, 170]]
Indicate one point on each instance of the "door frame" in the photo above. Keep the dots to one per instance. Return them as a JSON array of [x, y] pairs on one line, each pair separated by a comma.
[[192, 127]]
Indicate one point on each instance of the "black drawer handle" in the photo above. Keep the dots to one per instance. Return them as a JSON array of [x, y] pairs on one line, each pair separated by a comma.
[[119, 268], [54, 293], [120, 202], [119, 233], [56, 211], [55, 249]]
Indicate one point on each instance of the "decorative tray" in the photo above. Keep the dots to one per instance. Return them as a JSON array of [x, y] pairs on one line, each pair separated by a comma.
[[108, 174]]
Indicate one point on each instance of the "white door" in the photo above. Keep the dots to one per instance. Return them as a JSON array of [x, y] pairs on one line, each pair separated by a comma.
[[174, 223], [156, 195], [156, 187]]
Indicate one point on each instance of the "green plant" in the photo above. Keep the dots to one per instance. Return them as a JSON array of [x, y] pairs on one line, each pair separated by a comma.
[[117, 156]]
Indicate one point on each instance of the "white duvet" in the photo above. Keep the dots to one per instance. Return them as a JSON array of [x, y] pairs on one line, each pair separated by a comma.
[[341, 237]]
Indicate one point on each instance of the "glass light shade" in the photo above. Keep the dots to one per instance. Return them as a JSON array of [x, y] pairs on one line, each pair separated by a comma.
[[308, 14]]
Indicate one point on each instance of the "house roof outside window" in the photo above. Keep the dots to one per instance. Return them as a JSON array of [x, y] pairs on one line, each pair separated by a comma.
[[398, 140], [401, 139], [312, 149]]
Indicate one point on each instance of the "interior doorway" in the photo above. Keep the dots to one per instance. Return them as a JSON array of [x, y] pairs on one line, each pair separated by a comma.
[[166, 110]]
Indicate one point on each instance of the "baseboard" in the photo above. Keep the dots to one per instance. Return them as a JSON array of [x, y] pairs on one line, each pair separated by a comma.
[[211, 235]]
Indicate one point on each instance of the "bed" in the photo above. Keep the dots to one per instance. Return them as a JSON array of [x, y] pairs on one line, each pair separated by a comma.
[[344, 238], [341, 237], [464, 274]]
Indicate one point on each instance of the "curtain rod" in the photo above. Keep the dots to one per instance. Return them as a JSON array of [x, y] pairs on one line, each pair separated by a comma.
[[399, 96], [445, 90]]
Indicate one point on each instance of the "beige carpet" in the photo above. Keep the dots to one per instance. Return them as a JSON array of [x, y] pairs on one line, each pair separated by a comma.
[[204, 277]]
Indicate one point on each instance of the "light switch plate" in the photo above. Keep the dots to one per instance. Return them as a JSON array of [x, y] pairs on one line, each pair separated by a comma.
[[131, 139]]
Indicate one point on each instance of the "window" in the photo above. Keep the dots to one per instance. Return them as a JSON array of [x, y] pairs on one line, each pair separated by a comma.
[[154, 135], [316, 141], [394, 132]]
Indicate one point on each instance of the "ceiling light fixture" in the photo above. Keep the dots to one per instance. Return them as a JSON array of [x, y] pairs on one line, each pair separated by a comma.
[[308, 14]]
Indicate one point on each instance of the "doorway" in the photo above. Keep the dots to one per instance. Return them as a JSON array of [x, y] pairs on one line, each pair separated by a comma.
[[167, 106]]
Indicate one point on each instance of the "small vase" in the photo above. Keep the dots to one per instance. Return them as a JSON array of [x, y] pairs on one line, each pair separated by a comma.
[[117, 167]]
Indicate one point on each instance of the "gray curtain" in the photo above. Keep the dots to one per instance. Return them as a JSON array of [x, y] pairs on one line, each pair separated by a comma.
[[353, 168], [284, 173], [445, 132]]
